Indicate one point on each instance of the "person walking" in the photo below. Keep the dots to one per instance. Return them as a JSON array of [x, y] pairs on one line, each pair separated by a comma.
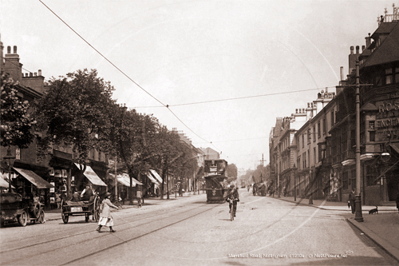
[[352, 199], [105, 215]]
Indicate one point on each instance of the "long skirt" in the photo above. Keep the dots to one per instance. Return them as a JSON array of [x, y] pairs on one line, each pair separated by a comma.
[[104, 221]]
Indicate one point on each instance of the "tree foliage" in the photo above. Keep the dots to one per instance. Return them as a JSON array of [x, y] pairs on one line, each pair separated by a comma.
[[75, 111], [16, 120]]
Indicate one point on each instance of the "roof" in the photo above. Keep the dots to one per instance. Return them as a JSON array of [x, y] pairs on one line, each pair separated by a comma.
[[388, 50]]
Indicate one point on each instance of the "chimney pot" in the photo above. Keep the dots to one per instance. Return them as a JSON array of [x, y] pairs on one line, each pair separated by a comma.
[[8, 49], [30, 74], [15, 49], [363, 47], [39, 72], [35, 74], [352, 48], [342, 72], [357, 49]]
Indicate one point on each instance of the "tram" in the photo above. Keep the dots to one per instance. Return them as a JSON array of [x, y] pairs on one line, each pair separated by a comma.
[[214, 173]]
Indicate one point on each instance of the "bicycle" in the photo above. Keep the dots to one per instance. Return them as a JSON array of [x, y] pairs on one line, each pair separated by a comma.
[[233, 208]]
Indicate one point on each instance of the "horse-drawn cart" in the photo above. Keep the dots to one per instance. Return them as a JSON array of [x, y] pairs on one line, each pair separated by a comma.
[[81, 208]]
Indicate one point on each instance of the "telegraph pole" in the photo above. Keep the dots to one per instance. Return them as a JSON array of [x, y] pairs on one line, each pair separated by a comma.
[[358, 203]]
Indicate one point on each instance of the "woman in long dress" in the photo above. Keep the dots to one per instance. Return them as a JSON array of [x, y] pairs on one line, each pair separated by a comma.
[[105, 215]]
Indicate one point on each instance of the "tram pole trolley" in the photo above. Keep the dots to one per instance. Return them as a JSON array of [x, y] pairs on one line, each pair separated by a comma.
[[81, 208], [14, 209]]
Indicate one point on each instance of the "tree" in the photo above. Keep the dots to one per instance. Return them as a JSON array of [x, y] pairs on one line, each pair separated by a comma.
[[75, 111], [232, 171], [16, 121]]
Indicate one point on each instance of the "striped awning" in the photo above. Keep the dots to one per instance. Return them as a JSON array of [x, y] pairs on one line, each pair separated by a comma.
[[92, 176]]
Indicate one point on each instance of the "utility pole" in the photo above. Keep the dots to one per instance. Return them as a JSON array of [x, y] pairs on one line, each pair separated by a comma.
[[262, 161], [358, 203]]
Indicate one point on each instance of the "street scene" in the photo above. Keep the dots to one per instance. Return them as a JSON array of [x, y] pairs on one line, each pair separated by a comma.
[[168, 132], [266, 231]]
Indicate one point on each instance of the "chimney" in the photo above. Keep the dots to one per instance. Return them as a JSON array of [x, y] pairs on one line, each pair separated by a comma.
[[352, 59], [368, 41], [341, 70], [12, 64]]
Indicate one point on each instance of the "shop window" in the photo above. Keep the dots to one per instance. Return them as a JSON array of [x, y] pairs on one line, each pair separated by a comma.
[[371, 175]]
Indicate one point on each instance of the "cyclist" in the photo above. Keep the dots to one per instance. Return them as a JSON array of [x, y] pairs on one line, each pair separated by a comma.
[[234, 197]]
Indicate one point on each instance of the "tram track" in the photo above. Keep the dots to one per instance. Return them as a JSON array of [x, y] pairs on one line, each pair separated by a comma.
[[72, 229], [124, 228]]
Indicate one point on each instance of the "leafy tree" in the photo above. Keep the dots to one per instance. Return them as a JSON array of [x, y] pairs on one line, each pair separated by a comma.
[[16, 121], [74, 111], [232, 171]]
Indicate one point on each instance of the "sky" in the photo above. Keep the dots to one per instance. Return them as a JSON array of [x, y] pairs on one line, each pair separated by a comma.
[[219, 71]]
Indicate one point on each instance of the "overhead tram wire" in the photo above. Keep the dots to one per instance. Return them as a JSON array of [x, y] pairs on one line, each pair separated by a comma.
[[123, 73], [236, 98]]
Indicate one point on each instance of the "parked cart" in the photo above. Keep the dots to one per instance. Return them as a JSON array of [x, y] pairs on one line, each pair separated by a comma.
[[81, 208]]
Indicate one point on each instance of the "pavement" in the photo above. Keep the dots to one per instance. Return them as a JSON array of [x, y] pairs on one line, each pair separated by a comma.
[[382, 228]]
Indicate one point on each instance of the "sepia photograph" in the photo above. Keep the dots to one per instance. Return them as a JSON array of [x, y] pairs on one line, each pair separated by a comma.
[[199, 132]]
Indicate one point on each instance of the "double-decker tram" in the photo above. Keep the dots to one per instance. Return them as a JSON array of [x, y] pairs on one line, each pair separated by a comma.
[[214, 173]]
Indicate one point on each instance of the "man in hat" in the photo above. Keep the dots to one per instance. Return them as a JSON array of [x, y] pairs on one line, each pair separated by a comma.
[[87, 193]]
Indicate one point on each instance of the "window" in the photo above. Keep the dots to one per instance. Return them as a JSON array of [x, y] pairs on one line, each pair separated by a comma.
[[372, 136], [303, 140], [332, 118], [345, 180], [324, 126], [397, 75], [314, 133], [318, 130], [372, 125], [388, 76], [314, 155], [309, 136]]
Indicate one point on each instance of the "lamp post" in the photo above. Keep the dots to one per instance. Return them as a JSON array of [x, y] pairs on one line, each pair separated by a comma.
[[358, 203], [9, 157]]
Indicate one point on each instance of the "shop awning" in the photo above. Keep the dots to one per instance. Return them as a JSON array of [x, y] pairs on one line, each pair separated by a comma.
[[124, 179], [92, 176], [153, 180], [4, 183], [395, 147], [33, 178], [156, 175]]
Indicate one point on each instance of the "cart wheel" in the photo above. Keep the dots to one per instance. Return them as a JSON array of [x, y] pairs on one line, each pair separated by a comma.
[[23, 219], [65, 218]]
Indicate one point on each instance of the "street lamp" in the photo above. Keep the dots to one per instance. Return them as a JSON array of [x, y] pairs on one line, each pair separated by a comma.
[[9, 157]]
